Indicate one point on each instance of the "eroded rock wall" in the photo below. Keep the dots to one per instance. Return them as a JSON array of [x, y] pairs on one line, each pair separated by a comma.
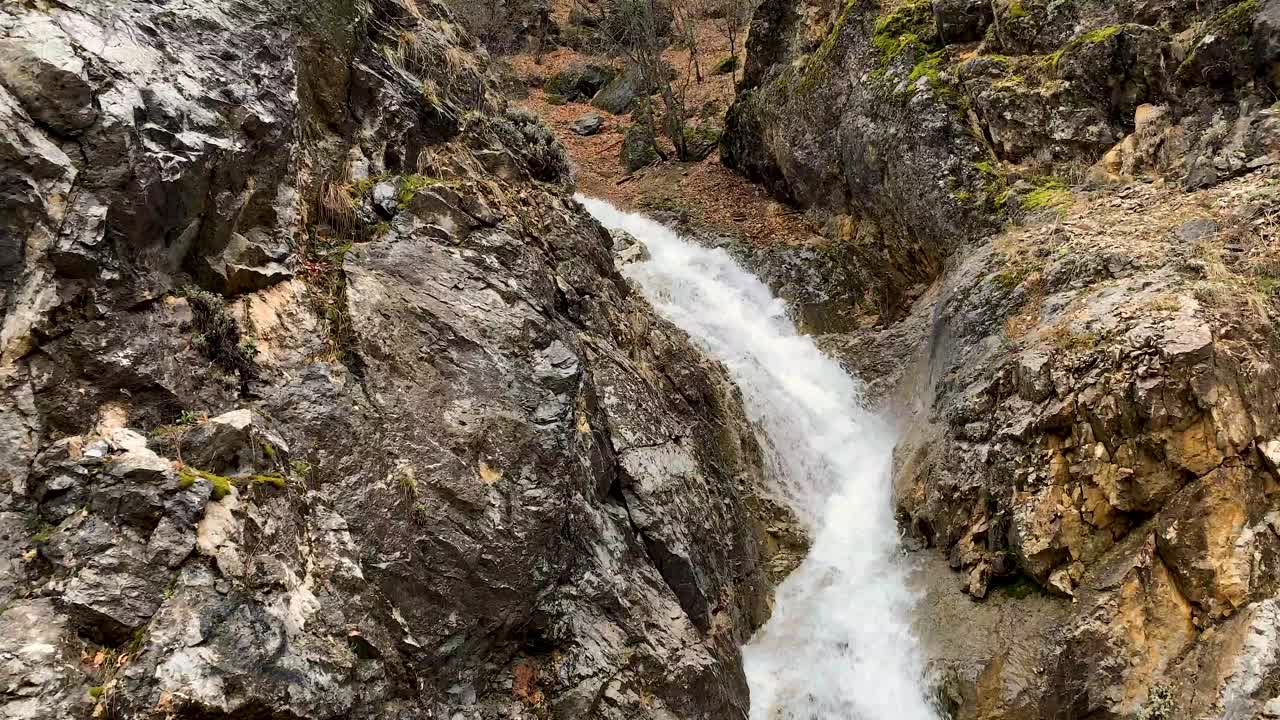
[[1089, 405], [322, 399]]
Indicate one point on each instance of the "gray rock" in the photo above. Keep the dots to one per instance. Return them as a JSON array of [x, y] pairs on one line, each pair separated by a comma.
[[116, 593], [237, 443], [252, 263], [39, 65], [588, 124], [1193, 231], [384, 198], [619, 96], [42, 672], [580, 81], [628, 249]]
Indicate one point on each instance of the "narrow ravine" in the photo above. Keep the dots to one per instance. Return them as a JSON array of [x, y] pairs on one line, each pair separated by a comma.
[[839, 644]]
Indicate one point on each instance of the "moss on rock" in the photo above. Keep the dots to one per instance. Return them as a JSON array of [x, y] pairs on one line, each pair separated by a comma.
[[907, 24], [187, 476], [726, 65]]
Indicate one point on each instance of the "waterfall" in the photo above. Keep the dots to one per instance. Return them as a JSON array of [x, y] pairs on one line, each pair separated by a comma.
[[839, 644]]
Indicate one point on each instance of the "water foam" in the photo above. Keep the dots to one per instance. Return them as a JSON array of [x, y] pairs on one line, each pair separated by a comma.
[[839, 644]]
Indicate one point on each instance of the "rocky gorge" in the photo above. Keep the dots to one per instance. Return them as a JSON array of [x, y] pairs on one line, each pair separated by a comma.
[[1060, 221], [323, 397]]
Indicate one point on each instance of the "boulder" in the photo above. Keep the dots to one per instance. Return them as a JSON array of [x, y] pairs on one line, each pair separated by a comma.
[[701, 139], [579, 81], [638, 148], [39, 65], [621, 94], [588, 124], [627, 248]]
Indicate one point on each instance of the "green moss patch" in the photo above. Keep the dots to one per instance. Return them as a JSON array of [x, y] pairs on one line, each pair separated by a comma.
[[1091, 37], [1049, 194], [994, 186], [1233, 23], [188, 475], [726, 65], [930, 69], [274, 479], [1234, 20], [908, 24], [816, 63]]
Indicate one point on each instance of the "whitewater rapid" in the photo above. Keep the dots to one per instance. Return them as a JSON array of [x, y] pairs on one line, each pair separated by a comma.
[[839, 644]]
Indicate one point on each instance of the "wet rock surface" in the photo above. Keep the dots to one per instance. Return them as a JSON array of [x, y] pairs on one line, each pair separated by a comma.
[[322, 399]]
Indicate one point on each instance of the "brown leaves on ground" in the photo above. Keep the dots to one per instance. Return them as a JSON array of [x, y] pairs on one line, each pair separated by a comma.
[[710, 194]]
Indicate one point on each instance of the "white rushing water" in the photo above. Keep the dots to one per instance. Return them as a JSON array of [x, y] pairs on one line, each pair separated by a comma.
[[839, 644]]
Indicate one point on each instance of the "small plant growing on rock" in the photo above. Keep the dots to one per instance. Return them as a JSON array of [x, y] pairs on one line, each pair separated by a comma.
[[1072, 341], [1269, 285], [1165, 302], [411, 185], [217, 334]]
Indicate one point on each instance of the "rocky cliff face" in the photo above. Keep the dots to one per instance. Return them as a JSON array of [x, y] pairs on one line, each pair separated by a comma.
[[912, 124], [323, 400], [1092, 416], [1088, 395]]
